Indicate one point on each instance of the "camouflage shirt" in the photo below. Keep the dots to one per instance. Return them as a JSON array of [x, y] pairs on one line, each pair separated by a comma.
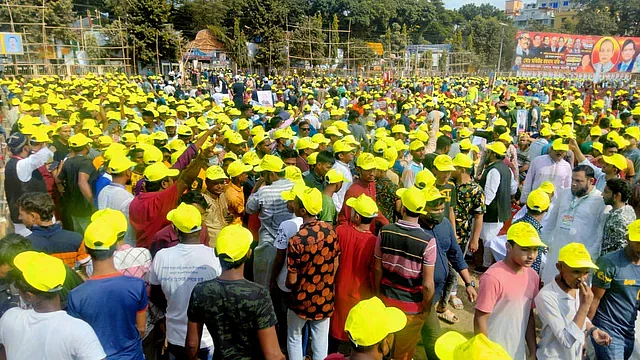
[[234, 311]]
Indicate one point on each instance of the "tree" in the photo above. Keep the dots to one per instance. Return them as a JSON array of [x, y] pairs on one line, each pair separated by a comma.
[[443, 62], [568, 27], [470, 42], [360, 54], [307, 41], [335, 37], [596, 21], [470, 11], [456, 42], [538, 26], [487, 37], [194, 15], [57, 13], [625, 14]]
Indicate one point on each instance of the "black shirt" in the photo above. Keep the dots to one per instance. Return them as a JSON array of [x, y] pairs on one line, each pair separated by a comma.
[[74, 202], [62, 150], [234, 311]]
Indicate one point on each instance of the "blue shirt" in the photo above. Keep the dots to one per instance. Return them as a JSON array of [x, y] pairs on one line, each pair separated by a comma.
[[110, 305], [103, 181], [619, 305]]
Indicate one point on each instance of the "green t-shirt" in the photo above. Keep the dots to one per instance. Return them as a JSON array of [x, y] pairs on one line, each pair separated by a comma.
[[328, 212]]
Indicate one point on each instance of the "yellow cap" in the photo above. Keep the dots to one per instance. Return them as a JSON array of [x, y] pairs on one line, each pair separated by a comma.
[[453, 346], [243, 124], [576, 256], [399, 129], [215, 172], [558, 145], [595, 131], [270, 163], [294, 174], [538, 200], [237, 168], [79, 140], [500, 122], [633, 131], [282, 134], [363, 205], [159, 171], [366, 161], [424, 179], [233, 243], [432, 194], [184, 130], [443, 163], [547, 187], [230, 155], [113, 217], [40, 136], [382, 164], [119, 164], [546, 132], [342, 146], [416, 145], [506, 137], [413, 199], [170, 123], [370, 321], [311, 197], [617, 160], [333, 176], [464, 133], [101, 234], [320, 139], [128, 138], [312, 158], [152, 155], [306, 143], [43, 272], [258, 138], [525, 235], [634, 231], [332, 130], [497, 147], [186, 218], [598, 146], [463, 161]]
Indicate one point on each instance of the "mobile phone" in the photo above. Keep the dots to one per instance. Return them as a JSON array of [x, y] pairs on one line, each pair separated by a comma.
[[53, 165]]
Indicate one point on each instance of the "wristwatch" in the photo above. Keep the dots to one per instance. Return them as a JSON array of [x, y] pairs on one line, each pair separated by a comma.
[[472, 284]]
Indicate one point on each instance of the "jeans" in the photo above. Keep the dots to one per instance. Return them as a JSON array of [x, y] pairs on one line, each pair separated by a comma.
[[263, 257], [180, 353], [319, 335], [430, 333], [619, 349], [450, 287]]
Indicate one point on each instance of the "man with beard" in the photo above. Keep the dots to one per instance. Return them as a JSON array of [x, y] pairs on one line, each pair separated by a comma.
[[563, 305], [115, 195], [170, 128], [60, 144], [614, 234], [578, 217]]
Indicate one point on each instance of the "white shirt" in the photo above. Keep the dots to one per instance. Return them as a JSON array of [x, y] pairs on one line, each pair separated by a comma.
[[115, 196], [26, 166], [573, 220], [178, 270], [27, 334], [535, 149], [560, 337], [313, 120], [544, 168], [338, 197], [492, 184], [286, 230]]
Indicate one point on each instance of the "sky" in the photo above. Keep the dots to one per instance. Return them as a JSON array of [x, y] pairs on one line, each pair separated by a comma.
[[454, 4]]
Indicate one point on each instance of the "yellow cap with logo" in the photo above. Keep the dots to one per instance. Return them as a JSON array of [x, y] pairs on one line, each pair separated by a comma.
[[215, 172], [119, 164], [233, 243], [306, 143], [424, 179], [547, 187], [443, 163], [538, 200], [454, 346], [294, 174], [432, 194], [79, 140], [559, 145], [342, 146], [333, 176], [159, 171], [525, 235], [311, 198], [237, 168], [363, 205], [497, 147], [186, 218], [416, 145], [114, 217], [270, 163], [43, 272], [463, 161], [413, 199], [370, 321], [366, 161], [576, 256], [101, 234], [152, 155]]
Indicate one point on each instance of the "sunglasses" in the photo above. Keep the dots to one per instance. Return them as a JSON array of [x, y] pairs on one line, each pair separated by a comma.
[[305, 129]]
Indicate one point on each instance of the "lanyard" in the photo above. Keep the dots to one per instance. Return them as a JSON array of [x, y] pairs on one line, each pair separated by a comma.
[[573, 205]]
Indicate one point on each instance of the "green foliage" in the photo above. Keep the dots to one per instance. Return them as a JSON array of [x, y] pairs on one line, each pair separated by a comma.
[[487, 36], [539, 27], [596, 21], [394, 40], [623, 15], [470, 11], [238, 48], [443, 62], [361, 53], [56, 13], [456, 41], [308, 42]]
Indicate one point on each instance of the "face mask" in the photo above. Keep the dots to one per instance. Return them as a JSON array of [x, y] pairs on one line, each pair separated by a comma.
[[288, 143], [435, 218]]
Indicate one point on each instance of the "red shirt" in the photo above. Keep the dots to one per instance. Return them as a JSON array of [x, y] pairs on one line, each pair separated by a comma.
[[356, 189], [354, 279], [148, 213]]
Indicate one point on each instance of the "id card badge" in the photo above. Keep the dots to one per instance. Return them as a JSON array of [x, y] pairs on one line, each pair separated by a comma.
[[567, 222]]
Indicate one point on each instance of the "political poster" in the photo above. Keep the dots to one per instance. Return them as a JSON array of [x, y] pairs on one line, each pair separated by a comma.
[[265, 98], [521, 119], [585, 56], [11, 44]]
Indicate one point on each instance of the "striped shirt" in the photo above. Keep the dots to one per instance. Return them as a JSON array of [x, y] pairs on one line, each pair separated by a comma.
[[404, 248], [272, 209]]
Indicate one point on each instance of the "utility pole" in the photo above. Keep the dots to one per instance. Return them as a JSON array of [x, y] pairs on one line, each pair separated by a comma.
[[501, 43]]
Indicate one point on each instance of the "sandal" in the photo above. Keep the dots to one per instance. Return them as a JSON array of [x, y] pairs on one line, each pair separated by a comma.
[[448, 317], [456, 302]]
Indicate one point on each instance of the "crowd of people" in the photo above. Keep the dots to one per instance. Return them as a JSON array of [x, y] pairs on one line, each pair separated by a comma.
[[342, 222]]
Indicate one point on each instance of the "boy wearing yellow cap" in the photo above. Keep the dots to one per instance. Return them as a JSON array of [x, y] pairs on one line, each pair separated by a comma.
[[113, 304], [36, 332], [615, 297], [504, 311], [563, 305], [357, 245], [405, 258]]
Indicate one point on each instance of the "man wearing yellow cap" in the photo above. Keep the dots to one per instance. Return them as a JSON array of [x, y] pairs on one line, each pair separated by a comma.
[[309, 276], [563, 305], [115, 196], [76, 175], [113, 304], [504, 311], [168, 275], [37, 332], [549, 167], [217, 211], [238, 313], [357, 245], [611, 166], [615, 297], [405, 258]]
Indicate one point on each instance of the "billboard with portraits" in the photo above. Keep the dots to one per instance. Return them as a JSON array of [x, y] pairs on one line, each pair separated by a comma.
[[599, 56]]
